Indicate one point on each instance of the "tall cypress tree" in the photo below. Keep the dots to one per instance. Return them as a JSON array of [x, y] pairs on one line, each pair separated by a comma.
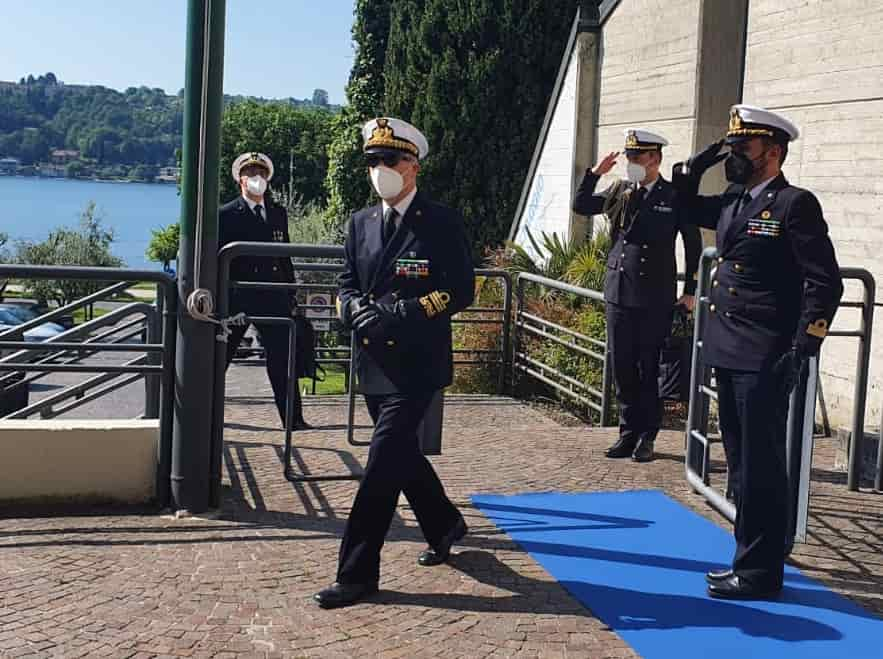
[[475, 76], [346, 182]]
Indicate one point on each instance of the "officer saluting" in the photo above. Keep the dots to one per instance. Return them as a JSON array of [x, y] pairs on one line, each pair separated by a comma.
[[253, 217], [408, 269], [640, 287], [774, 293]]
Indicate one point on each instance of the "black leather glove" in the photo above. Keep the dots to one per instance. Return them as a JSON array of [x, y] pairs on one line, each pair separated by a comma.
[[685, 176], [376, 321], [356, 310], [698, 164], [787, 369]]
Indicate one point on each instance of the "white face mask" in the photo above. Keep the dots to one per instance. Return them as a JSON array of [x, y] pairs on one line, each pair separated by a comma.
[[635, 172], [388, 182], [256, 185]]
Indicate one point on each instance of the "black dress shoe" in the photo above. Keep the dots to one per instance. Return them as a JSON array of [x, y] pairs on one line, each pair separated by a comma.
[[736, 588], [623, 448], [344, 594], [716, 576], [643, 451], [440, 554]]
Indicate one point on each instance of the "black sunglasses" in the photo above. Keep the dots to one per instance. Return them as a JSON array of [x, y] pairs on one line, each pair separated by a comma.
[[389, 158]]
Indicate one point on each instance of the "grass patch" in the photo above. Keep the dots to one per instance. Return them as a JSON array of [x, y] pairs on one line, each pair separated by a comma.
[[334, 383], [80, 314]]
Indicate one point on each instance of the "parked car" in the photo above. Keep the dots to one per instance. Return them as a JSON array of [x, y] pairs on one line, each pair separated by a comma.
[[11, 317], [31, 310]]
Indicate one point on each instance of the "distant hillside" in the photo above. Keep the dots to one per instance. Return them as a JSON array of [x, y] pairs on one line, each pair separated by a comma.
[[140, 126]]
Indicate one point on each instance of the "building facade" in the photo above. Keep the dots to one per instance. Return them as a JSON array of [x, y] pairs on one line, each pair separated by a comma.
[[676, 66]]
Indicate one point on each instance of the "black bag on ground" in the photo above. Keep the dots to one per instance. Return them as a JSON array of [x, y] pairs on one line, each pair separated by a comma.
[[675, 358]]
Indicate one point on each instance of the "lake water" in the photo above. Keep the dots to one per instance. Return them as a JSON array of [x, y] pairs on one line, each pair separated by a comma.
[[32, 207]]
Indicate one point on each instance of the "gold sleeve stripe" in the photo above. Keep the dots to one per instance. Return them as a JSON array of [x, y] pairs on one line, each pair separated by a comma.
[[435, 303], [818, 329]]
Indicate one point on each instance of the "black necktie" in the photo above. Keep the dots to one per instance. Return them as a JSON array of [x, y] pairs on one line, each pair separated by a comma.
[[637, 197], [258, 210], [744, 200], [389, 224]]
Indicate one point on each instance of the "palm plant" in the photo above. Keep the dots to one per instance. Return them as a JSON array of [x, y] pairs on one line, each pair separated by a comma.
[[582, 264]]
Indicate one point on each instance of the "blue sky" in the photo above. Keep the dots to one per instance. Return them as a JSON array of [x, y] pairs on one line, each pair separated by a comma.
[[274, 48]]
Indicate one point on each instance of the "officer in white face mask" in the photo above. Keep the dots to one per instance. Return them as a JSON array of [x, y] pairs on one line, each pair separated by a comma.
[[253, 217], [408, 269], [645, 216]]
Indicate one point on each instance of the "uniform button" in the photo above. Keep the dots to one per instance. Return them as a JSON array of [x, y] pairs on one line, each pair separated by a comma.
[[642, 274], [643, 260], [390, 342], [622, 255], [737, 267], [727, 314], [715, 283], [621, 269], [365, 341], [712, 308], [732, 291], [720, 259], [275, 268], [625, 242], [643, 246]]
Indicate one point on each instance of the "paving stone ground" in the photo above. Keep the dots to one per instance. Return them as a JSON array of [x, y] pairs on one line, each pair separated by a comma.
[[123, 583]]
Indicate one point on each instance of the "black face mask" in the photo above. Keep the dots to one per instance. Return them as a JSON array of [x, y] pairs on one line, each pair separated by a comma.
[[738, 168]]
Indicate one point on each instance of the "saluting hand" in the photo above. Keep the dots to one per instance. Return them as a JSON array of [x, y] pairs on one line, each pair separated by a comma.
[[606, 164], [706, 158]]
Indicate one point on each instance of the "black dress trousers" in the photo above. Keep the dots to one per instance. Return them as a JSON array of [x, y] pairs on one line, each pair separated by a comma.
[[635, 336], [275, 341], [395, 465], [753, 408]]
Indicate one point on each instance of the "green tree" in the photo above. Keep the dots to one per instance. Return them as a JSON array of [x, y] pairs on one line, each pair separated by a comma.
[[347, 184], [320, 97], [475, 76], [75, 169], [88, 245], [163, 246], [288, 135]]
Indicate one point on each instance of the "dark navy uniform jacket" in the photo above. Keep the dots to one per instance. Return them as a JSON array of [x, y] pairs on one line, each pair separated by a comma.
[[236, 221], [777, 281], [428, 252], [641, 266]]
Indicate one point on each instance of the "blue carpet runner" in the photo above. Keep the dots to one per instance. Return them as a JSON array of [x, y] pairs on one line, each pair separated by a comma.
[[637, 561]]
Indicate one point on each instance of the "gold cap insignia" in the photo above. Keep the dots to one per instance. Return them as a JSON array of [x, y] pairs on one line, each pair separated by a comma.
[[765, 215], [384, 136], [818, 329], [737, 128], [632, 143]]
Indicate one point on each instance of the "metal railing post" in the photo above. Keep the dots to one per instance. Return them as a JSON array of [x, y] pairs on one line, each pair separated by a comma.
[[861, 377]]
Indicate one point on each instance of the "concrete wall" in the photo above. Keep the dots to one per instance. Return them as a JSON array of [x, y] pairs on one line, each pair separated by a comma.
[[820, 62], [649, 52], [78, 461], [547, 208]]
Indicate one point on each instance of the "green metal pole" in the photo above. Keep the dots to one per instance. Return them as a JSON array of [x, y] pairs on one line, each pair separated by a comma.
[[197, 257]]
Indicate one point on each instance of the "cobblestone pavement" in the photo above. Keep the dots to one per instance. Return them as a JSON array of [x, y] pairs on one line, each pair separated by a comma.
[[128, 583]]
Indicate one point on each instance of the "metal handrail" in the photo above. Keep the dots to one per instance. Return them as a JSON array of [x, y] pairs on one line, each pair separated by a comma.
[[168, 298], [601, 406], [701, 392]]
